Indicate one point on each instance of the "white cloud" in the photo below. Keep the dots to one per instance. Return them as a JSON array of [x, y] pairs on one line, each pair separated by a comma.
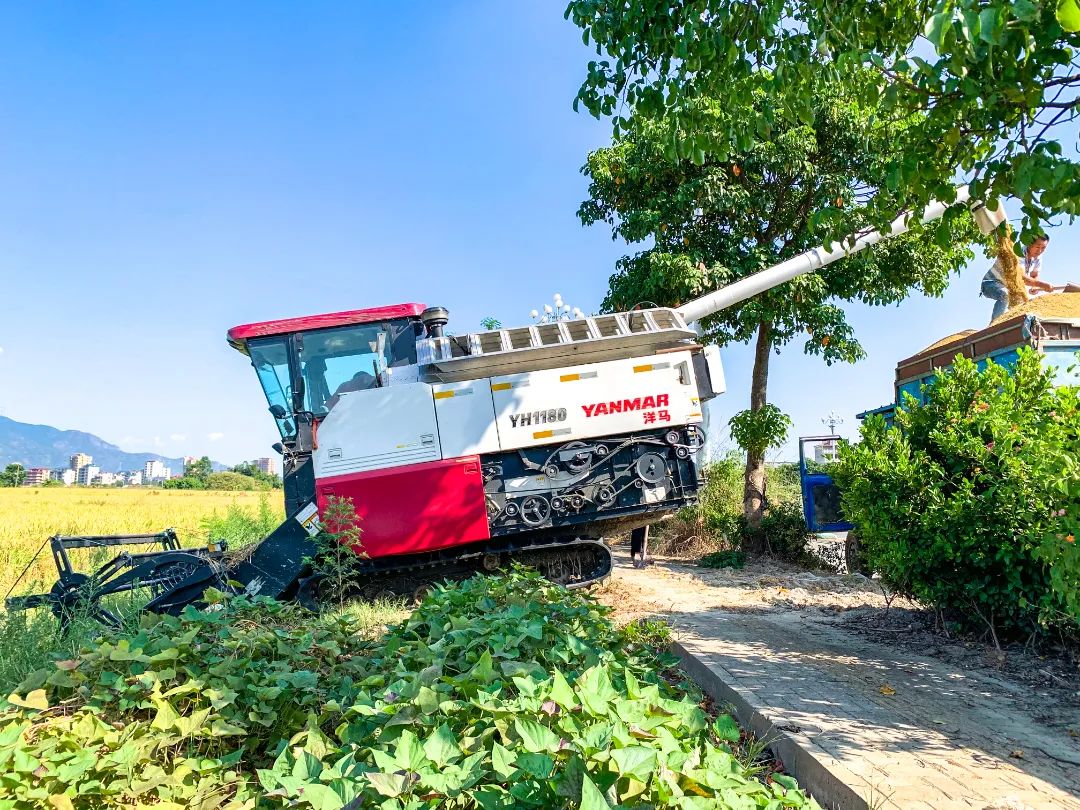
[[158, 442], [177, 437], [215, 436], [1, 349]]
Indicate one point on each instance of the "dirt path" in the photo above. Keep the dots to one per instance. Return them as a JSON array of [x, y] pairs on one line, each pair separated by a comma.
[[894, 708], [761, 585]]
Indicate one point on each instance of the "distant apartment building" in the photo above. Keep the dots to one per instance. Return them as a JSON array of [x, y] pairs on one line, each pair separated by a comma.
[[134, 479], [86, 474], [65, 475], [80, 460], [155, 471], [36, 476], [107, 479], [826, 452], [267, 465]]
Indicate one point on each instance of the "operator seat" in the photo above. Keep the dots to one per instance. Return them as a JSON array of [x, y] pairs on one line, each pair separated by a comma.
[[361, 381]]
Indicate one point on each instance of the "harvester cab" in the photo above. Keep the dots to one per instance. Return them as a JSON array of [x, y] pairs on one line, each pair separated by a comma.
[[466, 452]]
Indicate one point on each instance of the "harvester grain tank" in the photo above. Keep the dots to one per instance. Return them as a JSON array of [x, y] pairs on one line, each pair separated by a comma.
[[465, 452]]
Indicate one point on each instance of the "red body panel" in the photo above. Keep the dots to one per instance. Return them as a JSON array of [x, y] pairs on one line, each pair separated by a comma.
[[238, 334], [418, 507]]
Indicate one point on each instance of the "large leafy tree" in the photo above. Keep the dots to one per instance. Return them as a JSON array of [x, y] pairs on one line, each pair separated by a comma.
[[713, 221], [994, 83], [13, 475]]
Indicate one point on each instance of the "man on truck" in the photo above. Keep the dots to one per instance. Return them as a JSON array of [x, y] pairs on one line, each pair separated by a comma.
[[995, 288]]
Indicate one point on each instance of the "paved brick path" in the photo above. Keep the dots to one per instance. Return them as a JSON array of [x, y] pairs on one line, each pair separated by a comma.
[[866, 724]]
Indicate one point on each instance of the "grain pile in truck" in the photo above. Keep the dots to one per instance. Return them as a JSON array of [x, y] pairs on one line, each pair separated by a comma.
[[1050, 305]]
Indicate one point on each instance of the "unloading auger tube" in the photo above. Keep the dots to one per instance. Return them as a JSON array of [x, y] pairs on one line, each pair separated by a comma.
[[584, 481], [816, 258]]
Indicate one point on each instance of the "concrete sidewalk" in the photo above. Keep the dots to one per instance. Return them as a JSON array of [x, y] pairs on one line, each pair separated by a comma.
[[862, 724]]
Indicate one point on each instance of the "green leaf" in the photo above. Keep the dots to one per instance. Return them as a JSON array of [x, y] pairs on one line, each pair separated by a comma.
[[34, 700], [123, 652], [166, 716], [636, 761], [1068, 15], [441, 747], [1025, 10], [388, 784], [502, 760], [483, 672], [937, 27], [561, 691], [427, 700], [595, 690], [219, 728], [409, 754], [726, 728], [191, 725], [535, 737], [537, 765], [591, 797], [988, 25], [322, 797]]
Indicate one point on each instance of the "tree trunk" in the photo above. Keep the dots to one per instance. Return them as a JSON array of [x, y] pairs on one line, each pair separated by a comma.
[[754, 481]]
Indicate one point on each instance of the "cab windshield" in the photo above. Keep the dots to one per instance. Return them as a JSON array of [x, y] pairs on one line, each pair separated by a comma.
[[350, 358]]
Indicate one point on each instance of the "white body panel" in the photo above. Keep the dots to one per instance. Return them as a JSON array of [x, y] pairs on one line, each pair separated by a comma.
[[599, 399], [376, 429], [466, 417], [412, 423]]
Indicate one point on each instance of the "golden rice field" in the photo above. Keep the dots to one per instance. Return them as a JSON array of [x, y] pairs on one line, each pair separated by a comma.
[[30, 515]]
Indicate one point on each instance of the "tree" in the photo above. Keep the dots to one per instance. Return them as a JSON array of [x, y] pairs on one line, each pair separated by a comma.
[[13, 476], [715, 221], [200, 469], [252, 471], [234, 481], [985, 84]]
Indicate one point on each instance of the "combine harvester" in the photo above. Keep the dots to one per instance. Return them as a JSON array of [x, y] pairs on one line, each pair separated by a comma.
[[461, 453]]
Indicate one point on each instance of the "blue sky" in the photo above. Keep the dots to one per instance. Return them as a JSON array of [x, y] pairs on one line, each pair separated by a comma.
[[171, 170]]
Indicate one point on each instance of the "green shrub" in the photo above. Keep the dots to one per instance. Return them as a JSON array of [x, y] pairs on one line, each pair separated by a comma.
[[783, 531], [235, 481], [498, 692], [717, 523], [969, 503], [239, 527], [723, 559]]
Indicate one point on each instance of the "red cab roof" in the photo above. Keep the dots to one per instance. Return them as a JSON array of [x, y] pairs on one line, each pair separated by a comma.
[[239, 334]]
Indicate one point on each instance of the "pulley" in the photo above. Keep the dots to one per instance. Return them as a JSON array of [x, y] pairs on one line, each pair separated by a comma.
[[651, 468]]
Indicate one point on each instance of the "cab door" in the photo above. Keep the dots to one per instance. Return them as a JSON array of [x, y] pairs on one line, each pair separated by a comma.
[[820, 495]]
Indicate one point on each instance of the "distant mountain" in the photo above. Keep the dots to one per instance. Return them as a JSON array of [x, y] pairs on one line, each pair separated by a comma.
[[45, 446]]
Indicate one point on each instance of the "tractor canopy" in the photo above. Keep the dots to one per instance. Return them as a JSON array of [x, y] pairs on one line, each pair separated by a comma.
[[305, 364]]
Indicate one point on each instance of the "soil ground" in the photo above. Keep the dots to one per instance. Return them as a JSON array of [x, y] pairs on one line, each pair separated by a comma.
[[858, 605]]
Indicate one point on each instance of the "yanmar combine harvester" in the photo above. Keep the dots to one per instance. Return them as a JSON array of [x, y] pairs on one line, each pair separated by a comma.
[[461, 452]]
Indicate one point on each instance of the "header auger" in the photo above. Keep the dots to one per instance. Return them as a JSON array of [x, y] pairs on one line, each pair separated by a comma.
[[463, 453]]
